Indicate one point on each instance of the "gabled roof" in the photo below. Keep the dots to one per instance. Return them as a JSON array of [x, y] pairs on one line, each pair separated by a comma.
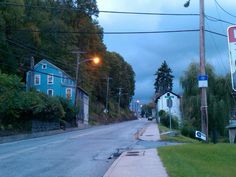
[[64, 73], [159, 96], [45, 61]]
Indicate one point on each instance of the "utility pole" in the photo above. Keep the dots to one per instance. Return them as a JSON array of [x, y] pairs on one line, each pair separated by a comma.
[[203, 90], [77, 78], [107, 95], [77, 83], [204, 108], [119, 94], [31, 81]]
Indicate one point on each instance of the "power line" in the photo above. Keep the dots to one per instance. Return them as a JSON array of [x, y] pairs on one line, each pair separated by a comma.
[[224, 9], [33, 50], [122, 32], [216, 33], [100, 11], [109, 33], [222, 64], [214, 19], [146, 13]]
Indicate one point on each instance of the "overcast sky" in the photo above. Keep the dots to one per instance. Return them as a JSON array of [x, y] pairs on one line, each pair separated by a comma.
[[146, 52]]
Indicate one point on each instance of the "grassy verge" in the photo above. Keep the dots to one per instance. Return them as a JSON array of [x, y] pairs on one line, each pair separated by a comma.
[[199, 160], [177, 138]]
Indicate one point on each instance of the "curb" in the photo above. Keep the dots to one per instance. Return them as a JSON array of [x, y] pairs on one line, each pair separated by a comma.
[[12, 138]]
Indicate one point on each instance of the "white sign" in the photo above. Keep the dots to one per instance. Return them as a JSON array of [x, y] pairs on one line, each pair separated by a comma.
[[200, 135], [231, 32], [202, 81]]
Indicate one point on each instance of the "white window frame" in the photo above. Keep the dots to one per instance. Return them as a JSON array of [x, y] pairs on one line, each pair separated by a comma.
[[234, 31], [35, 76], [44, 66], [70, 92], [48, 76], [50, 90]]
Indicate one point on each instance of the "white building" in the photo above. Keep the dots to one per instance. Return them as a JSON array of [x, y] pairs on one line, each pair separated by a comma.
[[161, 104]]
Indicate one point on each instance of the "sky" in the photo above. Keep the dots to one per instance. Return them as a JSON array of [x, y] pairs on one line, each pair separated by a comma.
[[146, 52]]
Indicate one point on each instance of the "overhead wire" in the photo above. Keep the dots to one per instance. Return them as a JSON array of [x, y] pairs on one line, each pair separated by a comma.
[[228, 85], [208, 17], [224, 9], [100, 11]]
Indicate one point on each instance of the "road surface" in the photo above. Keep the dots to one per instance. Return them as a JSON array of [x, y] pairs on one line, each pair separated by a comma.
[[83, 153]]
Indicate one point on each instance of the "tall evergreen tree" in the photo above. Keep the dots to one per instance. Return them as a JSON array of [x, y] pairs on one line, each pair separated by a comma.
[[164, 79]]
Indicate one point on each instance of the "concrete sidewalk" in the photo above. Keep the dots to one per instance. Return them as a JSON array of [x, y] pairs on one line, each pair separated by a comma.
[[151, 133], [140, 163]]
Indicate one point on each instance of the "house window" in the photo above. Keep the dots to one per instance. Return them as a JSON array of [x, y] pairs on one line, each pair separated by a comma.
[[44, 66], [50, 79], [50, 92], [68, 93], [37, 79]]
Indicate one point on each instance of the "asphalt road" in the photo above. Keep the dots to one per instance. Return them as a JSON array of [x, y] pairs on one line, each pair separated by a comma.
[[83, 153]]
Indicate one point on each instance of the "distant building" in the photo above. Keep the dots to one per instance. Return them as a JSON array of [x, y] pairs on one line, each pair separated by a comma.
[[232, 131], [53, 81], [161, 104]]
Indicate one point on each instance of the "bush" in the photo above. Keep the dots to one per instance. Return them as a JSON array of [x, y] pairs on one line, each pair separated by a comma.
[[165, 120], [51, 110], [18, 108], [70, 112], [188, 131]]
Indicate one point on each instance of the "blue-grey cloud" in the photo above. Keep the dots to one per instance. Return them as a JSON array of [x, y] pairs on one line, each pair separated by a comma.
[[146, 52]]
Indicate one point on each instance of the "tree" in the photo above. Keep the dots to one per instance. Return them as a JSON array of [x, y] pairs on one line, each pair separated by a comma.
[[164, 79], [220, 101]]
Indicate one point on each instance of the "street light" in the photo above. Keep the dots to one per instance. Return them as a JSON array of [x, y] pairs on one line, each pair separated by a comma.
[[187, 3], [95, 60]]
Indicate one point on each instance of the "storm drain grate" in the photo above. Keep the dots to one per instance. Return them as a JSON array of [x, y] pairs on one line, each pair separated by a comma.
[[149, 135], [134, 153]]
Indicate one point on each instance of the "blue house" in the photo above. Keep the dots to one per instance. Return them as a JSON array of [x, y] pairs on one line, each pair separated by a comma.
[[51, 80]]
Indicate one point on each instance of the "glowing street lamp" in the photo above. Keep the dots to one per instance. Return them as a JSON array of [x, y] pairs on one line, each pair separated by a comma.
[[95, 60]]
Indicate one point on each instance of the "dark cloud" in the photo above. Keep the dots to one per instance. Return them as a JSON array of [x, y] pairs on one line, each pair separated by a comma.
[[146, 52]]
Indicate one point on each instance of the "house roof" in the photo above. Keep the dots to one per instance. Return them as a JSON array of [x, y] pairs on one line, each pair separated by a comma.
[[160, 95], [46, 61], [67, 75]]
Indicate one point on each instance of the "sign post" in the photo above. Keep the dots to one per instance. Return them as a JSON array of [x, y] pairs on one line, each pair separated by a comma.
[[231, 32], [169, 103]]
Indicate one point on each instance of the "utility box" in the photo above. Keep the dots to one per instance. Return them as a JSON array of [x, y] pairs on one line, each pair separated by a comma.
[[232, 131]]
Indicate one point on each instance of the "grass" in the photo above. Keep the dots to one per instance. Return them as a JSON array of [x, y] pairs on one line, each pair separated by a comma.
[[199, 160], [163, 128], [178, 138]]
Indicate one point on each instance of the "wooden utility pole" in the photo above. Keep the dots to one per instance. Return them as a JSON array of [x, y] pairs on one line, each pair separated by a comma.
[[107, 94], [77, 83], [204, 109], [31, 81], [119, 94], [77, 78]]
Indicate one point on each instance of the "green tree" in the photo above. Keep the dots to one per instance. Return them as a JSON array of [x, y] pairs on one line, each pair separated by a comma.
[[220, 101], [164, 79]]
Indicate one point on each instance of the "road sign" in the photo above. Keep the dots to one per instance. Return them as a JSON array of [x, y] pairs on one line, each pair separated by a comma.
[[231, 32], [169, 103], [200, 135], [202, 81]]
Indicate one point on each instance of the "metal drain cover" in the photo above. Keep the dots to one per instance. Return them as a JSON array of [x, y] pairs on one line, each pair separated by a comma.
[[134, 153], [149, 135]]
